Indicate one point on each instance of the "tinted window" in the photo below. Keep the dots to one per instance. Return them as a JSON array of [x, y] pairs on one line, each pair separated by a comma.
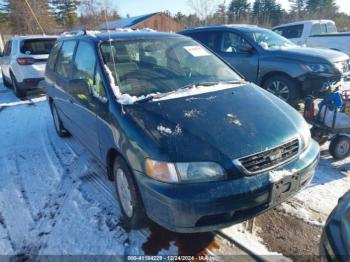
[[232, 43], [53, 55], [210, 39], [84, 62], [64, 59], [289, 32], [37, 46]]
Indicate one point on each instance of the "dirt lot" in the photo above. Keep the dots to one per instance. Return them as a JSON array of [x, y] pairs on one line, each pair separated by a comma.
[[300, 242]]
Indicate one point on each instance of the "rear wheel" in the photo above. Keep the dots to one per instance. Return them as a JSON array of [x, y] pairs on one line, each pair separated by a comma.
[[339, 147], [129, 199], [4, 80], [61, 131], [283, 87], [20, 93]]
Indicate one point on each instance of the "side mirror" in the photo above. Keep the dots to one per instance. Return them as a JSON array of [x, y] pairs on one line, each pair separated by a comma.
[[247, 48], [80, 89]]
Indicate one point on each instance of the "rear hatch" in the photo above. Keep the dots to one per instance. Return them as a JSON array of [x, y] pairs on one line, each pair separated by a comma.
[[35, 51]]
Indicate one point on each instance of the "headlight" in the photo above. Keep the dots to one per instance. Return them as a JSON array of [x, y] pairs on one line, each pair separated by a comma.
[[184, 172], [305, 135], [317, 68]]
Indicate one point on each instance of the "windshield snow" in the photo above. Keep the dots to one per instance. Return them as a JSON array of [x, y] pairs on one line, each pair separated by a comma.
[[152, 66], [269, 40]]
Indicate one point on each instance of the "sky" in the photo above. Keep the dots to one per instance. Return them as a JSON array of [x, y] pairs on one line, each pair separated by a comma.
[[140, 7]]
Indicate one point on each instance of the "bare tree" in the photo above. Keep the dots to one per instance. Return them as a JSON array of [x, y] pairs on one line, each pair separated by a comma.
[[204, 9]]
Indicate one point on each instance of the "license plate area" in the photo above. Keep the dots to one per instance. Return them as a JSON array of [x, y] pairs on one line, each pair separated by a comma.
[[284, 188]]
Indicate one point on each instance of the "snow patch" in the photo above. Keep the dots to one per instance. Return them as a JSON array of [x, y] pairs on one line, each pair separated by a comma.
[[277, 175], [164, 130], [192, 113], [233, 119]]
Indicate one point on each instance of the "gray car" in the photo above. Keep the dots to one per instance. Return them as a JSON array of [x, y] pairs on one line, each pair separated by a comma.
[[273, 62]]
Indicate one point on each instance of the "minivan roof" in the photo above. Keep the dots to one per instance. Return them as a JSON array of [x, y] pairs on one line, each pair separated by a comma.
[[25, 37], [105, 36]]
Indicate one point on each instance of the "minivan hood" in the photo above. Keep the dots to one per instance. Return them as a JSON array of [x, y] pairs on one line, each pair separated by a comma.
[[225, 124], [309, 55]]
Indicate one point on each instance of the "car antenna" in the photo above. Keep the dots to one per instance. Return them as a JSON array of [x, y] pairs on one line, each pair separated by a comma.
[[110, 45], [36, 19]]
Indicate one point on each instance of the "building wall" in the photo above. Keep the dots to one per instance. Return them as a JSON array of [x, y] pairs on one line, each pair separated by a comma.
[[160, 22]]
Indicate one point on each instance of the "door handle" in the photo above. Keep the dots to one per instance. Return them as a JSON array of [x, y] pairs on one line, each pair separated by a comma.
[[70, 100]]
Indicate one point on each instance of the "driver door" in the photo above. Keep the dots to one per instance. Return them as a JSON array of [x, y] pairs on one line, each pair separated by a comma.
[[240, 54]]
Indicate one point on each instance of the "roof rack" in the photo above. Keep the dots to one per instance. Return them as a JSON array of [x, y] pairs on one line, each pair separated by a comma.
[[74, 33]]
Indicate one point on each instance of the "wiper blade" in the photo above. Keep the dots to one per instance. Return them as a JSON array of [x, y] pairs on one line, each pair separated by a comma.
[[144, 100]]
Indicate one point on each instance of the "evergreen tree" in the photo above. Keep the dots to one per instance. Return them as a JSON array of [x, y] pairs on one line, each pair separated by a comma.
[[321, 6], [65, 12], [238, 9], [267, 12], [4, 11], [297, 7]]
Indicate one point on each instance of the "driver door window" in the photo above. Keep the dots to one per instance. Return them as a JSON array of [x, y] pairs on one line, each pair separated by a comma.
[[232, 43]]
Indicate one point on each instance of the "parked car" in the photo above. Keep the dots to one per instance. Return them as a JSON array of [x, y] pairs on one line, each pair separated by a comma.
[[316, 33], [335, 240], [188, 143], [273, 62], [23, 61]]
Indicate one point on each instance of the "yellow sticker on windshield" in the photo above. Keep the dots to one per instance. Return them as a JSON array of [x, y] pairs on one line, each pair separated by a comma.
[[196, 50]]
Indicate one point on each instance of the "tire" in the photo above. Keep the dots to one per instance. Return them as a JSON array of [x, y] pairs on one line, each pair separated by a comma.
[[130, 202], [20, 93], [60, 130], [6, 83], [339, 147], [284, 88]]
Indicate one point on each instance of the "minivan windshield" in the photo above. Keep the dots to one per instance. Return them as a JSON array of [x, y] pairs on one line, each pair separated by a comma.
[[268, 39], [37, 46], [162, 65]]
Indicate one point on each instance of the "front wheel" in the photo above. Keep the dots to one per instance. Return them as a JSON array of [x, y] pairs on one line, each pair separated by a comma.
[[134, 216], [284, 88], [339, 147]]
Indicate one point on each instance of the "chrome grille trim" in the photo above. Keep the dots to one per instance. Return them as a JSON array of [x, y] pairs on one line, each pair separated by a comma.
[[285, 153]]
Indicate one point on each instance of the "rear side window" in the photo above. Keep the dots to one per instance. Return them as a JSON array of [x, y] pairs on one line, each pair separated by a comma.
[[290, 32], [209, 39], [64, 59], [53, 55], [37, 46]]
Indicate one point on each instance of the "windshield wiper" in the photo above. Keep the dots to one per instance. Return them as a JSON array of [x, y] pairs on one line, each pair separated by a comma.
[[152, 97]]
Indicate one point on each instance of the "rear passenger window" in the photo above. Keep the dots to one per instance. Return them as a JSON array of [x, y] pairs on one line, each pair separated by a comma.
[[290, 32], [53, 55], [64, 59], [8, 47], [84, 62], [209, 39]]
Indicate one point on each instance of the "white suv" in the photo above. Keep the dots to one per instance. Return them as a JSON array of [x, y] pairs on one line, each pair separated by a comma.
[[23, 61]]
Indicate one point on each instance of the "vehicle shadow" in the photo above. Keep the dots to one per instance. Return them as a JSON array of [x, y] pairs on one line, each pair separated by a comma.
[[329, 169], [194, 245]]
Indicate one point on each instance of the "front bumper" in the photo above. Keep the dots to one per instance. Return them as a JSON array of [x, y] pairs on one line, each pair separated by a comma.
[[201, 207], [319, 84]]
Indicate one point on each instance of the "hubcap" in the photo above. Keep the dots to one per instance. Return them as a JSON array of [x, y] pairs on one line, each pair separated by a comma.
[[279, 89], [124, 192], [343, 148]]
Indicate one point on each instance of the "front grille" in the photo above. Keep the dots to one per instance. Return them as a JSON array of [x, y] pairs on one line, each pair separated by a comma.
[[343, 66], [270, 158]]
